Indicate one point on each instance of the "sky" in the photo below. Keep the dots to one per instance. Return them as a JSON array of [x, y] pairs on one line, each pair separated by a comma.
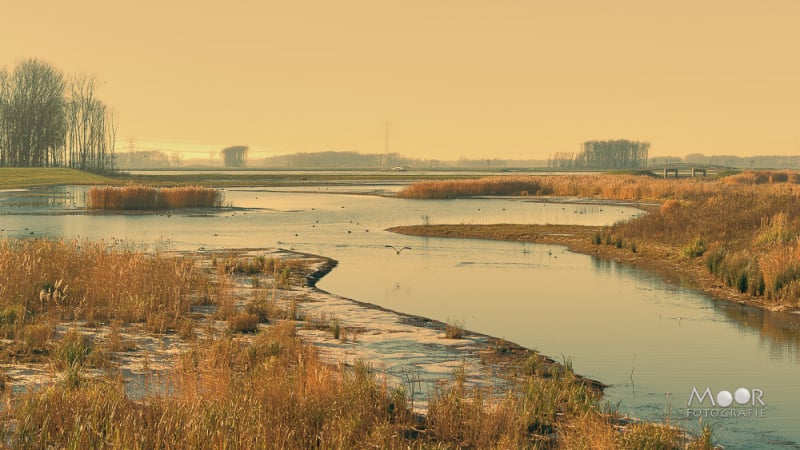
[[453, 79]]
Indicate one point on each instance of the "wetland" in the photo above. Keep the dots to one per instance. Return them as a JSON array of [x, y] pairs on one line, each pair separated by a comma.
[[648, 336]]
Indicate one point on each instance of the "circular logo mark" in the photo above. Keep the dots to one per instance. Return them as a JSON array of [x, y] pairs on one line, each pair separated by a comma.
[[742, 396], [724, 398]]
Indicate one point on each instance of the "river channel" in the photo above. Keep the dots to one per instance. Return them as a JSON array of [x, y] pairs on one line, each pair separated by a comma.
[[652, 340]]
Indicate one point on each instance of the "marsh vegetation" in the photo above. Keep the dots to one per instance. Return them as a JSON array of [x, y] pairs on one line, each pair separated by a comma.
[[241, 376], [129, 198]]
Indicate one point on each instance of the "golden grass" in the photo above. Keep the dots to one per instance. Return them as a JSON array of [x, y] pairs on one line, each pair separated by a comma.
[[271, 393], [149, 198], [615, 187], [265, 389], [454, 330], [763, 177], [83, 280]]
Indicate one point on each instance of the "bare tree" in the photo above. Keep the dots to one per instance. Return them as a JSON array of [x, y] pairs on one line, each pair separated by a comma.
[[562, 160], [41, 127], [89, 127], [5, 91], [32, 115], [112, 139]]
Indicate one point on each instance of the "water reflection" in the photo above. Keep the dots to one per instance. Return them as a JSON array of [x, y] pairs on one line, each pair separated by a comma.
[[28, 201], [779, 333]]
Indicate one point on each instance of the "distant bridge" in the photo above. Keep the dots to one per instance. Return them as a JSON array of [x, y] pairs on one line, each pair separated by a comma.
[[689, 169]]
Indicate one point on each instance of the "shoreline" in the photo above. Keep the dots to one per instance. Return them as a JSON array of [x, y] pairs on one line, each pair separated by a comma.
[[491, 351], [662, 260], [489, 362]]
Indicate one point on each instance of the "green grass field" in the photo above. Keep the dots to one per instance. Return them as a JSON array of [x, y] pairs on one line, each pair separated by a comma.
[[21, 177]]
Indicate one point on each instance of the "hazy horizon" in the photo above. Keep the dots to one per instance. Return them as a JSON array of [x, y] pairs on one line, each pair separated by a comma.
[[510, 79]]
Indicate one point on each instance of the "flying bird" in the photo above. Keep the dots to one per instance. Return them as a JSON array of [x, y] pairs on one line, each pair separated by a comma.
[[397, 250]]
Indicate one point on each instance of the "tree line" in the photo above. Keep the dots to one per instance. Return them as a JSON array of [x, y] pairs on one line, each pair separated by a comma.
[[610, 154], [49, 120]]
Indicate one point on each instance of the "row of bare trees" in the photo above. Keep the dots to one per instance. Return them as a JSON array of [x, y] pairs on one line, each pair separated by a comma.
[[610, 154], [47, 120]]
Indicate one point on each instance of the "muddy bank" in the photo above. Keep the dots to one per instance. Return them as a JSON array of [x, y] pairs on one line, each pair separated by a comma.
[[664, 260], [412, 350]]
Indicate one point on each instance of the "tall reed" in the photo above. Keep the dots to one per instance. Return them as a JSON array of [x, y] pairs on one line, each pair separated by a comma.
[[149, 198], [615, 187], [91, 281]]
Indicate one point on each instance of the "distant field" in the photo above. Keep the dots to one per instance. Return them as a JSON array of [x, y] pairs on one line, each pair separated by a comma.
[[19, 177], [248, 178], [11, 178]]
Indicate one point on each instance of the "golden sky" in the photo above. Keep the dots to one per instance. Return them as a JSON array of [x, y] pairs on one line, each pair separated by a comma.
[[465, 78]]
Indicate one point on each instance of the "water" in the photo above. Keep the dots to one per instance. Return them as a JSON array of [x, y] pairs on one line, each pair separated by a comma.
[[650, 339]]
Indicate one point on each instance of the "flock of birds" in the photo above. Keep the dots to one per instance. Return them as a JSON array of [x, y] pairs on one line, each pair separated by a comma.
[[397, 249]]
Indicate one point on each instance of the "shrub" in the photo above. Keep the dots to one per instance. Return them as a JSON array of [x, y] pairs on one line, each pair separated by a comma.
[[695, 249], [335, 328], [74, 349], [741, 281], [37, 336], [454, 330], [714, 261], [260, 308], [243, 323]]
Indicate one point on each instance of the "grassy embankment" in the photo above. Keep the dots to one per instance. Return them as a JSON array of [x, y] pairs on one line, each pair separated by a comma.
[[244, 379], [735, 237], [13, 178]]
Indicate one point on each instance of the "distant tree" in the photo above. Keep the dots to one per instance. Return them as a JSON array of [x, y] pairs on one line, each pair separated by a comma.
[[40, 126], [697, 158], [141, 159], [235, 156], [176, 159], [32, 119], [613, 154], [89, 126], [562, 160]]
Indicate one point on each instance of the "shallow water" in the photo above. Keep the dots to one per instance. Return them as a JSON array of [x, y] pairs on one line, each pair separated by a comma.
[[650, 339]]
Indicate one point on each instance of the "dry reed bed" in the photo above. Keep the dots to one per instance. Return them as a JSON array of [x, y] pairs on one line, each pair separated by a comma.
[[130, 198], [228, 389], [747, 236], [616, 187]]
